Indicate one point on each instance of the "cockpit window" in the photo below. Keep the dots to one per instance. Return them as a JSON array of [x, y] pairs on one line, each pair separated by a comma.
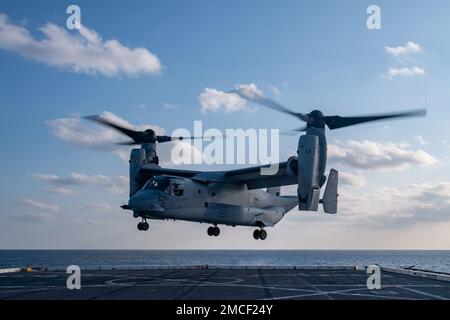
[[158, 183]]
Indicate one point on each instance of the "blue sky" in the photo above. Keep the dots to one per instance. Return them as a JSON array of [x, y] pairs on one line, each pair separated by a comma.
[[306, 54]]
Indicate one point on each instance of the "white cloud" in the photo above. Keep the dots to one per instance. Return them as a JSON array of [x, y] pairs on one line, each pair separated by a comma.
[[81, 133], [60, 190], [420, 140], [409, 48], [80, 52], [401, 53], [170, 106], [274, 90], [115, 185], [217, 100], [43, 207], [372, 155], [350, 179], [249, 90], [97, 206], [412, 204], [31, 217], [404, 72], [76, 131]]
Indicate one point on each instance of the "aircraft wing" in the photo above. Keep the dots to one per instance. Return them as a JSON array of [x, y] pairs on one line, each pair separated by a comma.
[[251, 176], [151, 171], [254, 178]]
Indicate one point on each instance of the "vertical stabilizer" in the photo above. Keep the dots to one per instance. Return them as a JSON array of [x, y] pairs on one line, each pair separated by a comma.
[[330, 195]]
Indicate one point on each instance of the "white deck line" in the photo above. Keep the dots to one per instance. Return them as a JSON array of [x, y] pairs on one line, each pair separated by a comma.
[[422, 274], [10, 270]]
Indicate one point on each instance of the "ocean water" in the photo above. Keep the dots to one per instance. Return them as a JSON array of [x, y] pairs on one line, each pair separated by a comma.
[[95, 259]]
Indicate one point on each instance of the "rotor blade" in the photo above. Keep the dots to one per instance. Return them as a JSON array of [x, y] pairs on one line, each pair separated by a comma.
[[127, 143], [266, 102], [336, 122], [134, 135], [188, 138], [301, 129], [293, 132], [162, 139]]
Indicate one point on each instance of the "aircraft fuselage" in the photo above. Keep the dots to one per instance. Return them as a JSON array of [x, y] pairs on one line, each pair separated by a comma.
[[227, 204]]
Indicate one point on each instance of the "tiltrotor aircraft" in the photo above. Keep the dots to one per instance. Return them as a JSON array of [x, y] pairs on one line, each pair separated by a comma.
[[236, 197]]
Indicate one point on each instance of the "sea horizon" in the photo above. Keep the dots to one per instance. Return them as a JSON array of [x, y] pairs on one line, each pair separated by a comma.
[[433, 260]]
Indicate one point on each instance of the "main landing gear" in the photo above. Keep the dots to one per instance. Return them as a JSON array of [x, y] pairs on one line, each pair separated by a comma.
[[213, 231], [260, 234], [143, 226]]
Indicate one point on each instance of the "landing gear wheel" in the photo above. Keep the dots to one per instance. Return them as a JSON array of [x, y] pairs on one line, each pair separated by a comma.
[[263, 234], [210, 231], [216, 231], [256, 234], [143, 226]]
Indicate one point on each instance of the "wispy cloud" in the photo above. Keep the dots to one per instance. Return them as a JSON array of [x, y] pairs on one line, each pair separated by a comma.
[[399, 206], [76, 131], [404, 72], [80, 52], [41, 206], [217, 100], [409, 48], [34, 217], [60, 190], [97, 206], [350, 179], [274, 90], [115, 185], [170, 106], [402, 55], [79, 132], [371, 155], [420, 140]]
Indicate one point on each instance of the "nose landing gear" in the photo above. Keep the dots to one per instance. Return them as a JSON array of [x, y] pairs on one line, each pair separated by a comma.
[[213, 231], [260, 234], [143, 226]]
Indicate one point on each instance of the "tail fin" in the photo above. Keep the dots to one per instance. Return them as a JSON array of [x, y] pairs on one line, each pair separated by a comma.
[[276, 191], [330, 195]]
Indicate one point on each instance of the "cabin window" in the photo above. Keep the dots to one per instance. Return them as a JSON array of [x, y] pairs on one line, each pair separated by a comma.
[[178, 189]]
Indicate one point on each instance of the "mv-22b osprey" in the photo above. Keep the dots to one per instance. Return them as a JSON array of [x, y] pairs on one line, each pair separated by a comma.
[[236, 197]]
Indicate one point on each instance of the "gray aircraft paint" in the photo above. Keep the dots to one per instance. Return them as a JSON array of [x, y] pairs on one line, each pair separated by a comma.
[[215, 203]]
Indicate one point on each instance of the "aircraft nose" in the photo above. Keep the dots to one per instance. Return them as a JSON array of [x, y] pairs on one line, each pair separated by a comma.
[[137, 202], [145, 201]]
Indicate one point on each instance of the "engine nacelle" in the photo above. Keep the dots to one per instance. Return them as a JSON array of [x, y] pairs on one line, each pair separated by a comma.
[[137, 160], [292, 167], [308, 173]]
